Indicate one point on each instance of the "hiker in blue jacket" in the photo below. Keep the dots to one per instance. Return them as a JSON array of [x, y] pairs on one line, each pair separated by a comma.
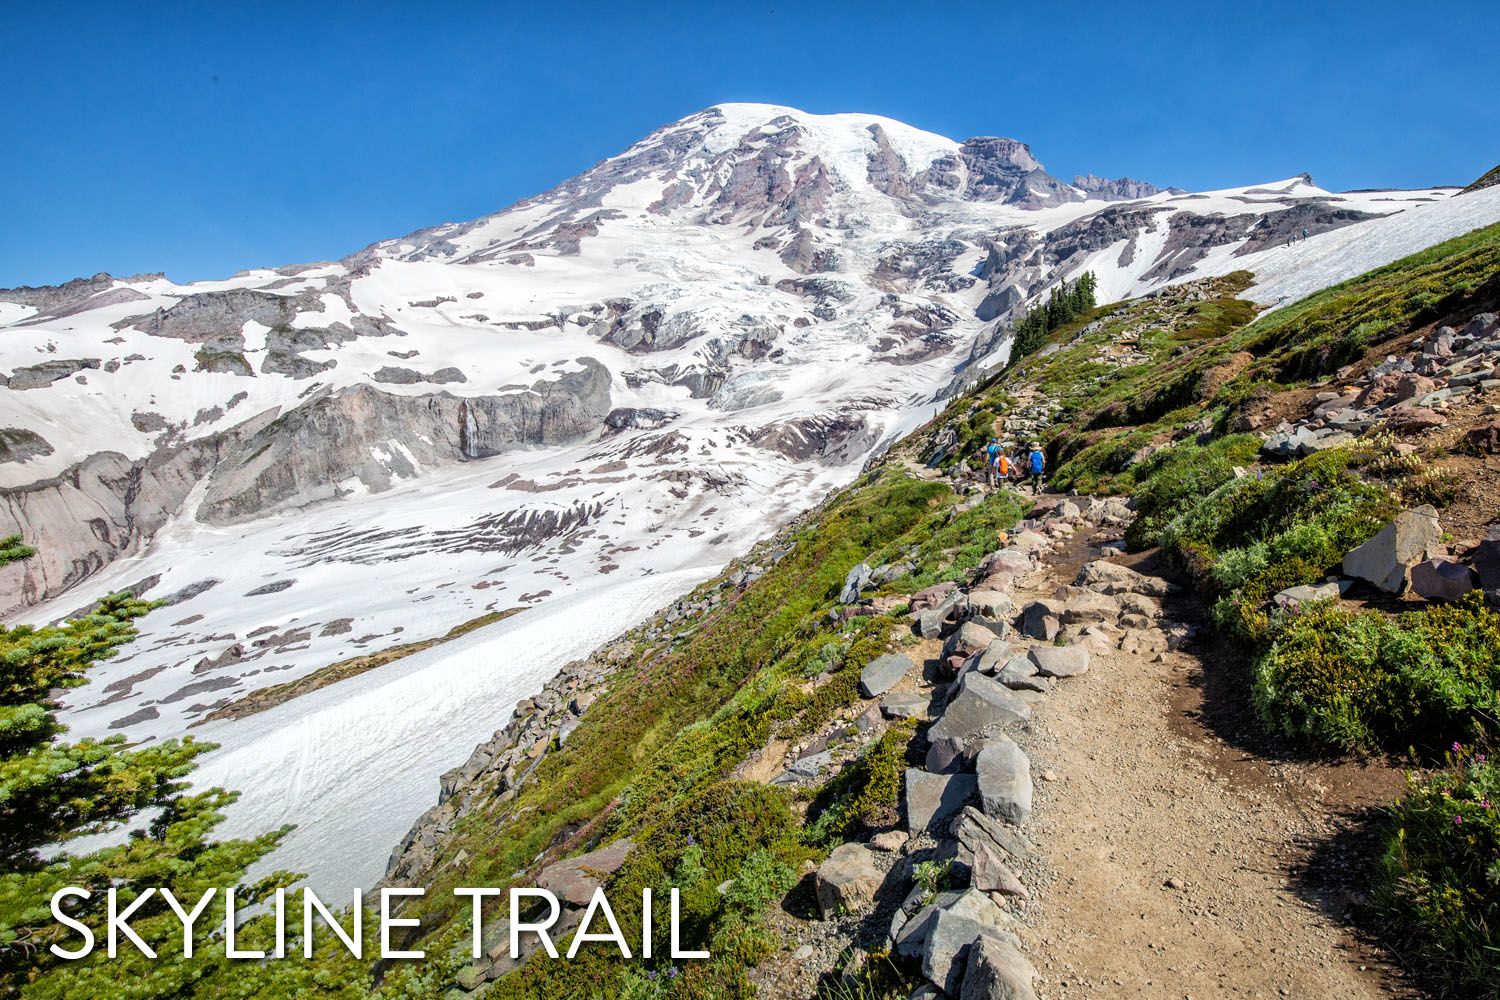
[[991, 461], [1036, 464]]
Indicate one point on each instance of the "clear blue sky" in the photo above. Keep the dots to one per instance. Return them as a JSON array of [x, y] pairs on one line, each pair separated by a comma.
[[203, 139]]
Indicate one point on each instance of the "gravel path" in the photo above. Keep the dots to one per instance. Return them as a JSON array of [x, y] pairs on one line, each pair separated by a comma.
[[1169, 856]]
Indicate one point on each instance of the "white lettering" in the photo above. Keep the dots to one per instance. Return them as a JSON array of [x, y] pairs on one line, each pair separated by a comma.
[[614, 934], [231, 922], [120, 921], [310, 902], [677, 951], [539, 929], [83, 950], [188, 916], [476, 905], [387, 922]]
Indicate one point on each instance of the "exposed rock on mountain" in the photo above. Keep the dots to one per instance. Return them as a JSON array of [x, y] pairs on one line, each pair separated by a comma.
[[1123, 189]]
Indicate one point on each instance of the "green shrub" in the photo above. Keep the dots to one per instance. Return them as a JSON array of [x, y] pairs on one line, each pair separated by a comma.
[[866, 794], [1365, 681], [1441, 874], [1251, 537]]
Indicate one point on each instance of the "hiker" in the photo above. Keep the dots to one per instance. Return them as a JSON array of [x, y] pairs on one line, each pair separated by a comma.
[[1036, 463], [991, 460], [1304, 234], [1002, 468]]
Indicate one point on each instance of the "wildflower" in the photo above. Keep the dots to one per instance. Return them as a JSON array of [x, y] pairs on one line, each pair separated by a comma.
[[1484, 803], [1457, 746], [1480, 758], [1458, 820]]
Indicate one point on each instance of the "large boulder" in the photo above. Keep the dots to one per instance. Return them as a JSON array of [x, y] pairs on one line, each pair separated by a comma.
[[854, 582], [950, 937], [848, 880], [1060, 661], [981, 703], [574, 880], [996, 970], [1441, 579], [1004, 775], [1386, 560], [1111, 578], [1089, 608], [882, 673], [932, 800], [990, 603]]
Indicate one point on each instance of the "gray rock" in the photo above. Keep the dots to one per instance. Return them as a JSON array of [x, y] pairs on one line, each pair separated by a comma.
[[988, 873], [1088, 608], [847, 881], [854, 582], [950, 937], [996, 970], [1017, 669], [904, 705], [1297, 597], [929, 623], [945, 756], [1060, 661], [974, 829], [981, 703], [1386, 560], [934, 799], [883, 673], [575, 879], [1111, 578], [1441, 579], [1004, 775], [991, 603], [41, 375], [995, 654], [971, 904]]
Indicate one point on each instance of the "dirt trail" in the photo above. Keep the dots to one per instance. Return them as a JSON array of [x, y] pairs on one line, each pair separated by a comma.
[[1171, 859]]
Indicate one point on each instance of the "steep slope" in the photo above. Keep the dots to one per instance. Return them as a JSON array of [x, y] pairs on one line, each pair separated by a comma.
[[581, 405]]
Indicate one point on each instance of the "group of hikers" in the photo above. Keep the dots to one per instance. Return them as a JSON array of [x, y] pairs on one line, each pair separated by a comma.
[[1026, 467]]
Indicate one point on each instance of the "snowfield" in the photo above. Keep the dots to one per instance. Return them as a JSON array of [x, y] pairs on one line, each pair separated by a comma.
[[580, 406]]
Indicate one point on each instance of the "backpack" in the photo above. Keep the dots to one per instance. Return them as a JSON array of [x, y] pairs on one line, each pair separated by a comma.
[[1004, 466], [1036, 461]]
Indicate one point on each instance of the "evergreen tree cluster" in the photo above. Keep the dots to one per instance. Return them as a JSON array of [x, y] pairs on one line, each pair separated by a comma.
[[1066, 302]]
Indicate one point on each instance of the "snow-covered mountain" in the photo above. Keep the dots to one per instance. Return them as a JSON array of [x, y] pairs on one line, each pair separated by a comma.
[[579, 405]]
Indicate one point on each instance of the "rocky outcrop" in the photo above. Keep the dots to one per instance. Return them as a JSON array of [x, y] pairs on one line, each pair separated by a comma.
[[303, 456], [39, 376], [19, 445], [99, 509], [1123, 189]]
